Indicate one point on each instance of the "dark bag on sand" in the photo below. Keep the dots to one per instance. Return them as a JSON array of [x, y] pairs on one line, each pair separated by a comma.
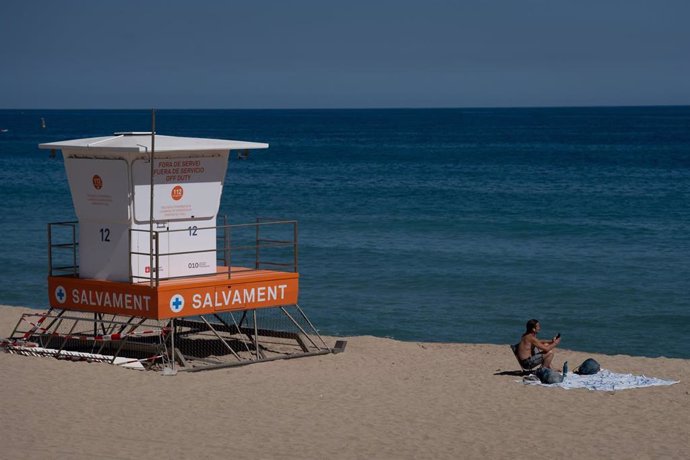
[[548, 376], [589, 367]]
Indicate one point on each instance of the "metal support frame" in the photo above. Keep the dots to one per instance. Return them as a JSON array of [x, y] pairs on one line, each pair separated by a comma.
[[221, 338], [77, 335]]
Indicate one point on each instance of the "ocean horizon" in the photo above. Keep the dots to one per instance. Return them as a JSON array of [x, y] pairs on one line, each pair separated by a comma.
[[433, 224]]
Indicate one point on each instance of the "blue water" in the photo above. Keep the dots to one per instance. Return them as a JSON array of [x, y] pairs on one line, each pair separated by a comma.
[[433, 225]]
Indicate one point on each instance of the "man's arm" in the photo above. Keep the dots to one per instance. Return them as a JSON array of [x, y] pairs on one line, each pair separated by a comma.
[[544, 345]]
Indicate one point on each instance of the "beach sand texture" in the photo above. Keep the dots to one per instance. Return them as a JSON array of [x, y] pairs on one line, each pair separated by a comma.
[[381, 399]]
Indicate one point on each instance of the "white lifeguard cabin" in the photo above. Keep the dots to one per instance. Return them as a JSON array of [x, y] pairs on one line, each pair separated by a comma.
[[151, 280], [110, 177]]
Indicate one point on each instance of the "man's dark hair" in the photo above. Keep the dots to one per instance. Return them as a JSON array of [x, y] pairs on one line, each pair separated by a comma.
[[531, 324]]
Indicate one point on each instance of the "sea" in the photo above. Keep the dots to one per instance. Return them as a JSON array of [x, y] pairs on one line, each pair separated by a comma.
[[438, 225]]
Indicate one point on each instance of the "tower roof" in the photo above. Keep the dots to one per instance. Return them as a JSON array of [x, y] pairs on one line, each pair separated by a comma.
[[141, 142]]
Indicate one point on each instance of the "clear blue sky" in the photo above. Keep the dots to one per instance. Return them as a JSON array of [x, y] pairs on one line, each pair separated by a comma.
[[306, 54]]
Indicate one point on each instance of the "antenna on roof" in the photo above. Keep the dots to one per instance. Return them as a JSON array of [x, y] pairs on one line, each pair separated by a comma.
[[153, 149], [166, 370]]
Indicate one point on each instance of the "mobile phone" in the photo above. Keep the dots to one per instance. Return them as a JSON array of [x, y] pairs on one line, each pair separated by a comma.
[[558, 336]]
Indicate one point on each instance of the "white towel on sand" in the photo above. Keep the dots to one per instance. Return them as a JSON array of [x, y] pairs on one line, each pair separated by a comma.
[[604, 380]]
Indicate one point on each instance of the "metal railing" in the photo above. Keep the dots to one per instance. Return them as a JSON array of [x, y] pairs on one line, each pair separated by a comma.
[[69, 267], [267, 244], [230, 249], [260, 242]]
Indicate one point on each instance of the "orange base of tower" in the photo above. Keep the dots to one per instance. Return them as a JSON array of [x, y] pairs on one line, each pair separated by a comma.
[[242, 289]]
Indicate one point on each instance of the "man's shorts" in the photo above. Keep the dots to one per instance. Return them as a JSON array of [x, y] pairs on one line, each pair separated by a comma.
[[532, 361]]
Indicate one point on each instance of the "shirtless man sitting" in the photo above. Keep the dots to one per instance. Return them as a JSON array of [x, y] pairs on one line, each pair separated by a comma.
[[532, 351]]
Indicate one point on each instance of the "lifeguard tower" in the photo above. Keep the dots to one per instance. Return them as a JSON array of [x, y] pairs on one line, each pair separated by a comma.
[[148, 278]]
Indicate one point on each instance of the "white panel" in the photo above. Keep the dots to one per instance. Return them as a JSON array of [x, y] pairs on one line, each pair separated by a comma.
[[103, 251], [185, 188], [100, 188], [175, 237], [194, 236]]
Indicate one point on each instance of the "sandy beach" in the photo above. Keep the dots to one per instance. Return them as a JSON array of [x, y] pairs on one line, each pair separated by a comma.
[[381, 399]]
